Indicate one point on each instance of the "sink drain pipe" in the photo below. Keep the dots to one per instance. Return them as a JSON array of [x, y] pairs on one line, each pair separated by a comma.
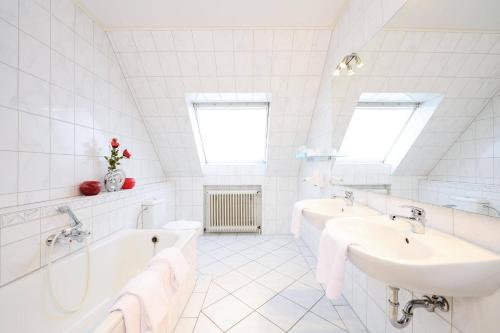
[[430, 303]]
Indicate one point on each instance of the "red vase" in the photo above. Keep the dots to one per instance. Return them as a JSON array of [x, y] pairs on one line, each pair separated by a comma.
[[91, 187], [128, 184]]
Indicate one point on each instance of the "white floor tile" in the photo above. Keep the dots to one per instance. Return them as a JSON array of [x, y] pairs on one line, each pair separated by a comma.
[[205, 325], [275, 281], [292, 270], [185, 325], [202, 283], [270, 260], [236, 260], [282, 312], [227, 312], [193, 306], [302, 294], [310, 280], [215, 269], [232, 281], [255, 323], [214, 294], [205, 259], [325, 310], [254, 294], [221, 253], [311, 323], [253, 270], [351, 321], [253, 253]]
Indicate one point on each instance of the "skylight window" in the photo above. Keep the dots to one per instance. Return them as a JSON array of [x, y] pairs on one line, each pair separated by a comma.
[[374, 129], [232, 133]]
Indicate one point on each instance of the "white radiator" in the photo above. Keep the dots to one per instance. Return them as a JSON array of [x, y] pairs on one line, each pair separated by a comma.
[[233, 210]]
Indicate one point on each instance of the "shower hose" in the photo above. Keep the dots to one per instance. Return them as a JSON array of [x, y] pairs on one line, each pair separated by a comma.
[[56, 300]]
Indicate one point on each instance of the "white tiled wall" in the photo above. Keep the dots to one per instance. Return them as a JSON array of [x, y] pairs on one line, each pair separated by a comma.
[[278, 195], [163, 66], [62, 98], [471, 167]]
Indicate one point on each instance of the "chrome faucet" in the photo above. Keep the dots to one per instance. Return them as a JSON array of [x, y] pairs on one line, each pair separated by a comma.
[[349, 198], [72, 233], [417, 219]]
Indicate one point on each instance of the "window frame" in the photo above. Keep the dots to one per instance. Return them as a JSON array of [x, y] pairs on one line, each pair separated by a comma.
[[244, 105], [381, 105]]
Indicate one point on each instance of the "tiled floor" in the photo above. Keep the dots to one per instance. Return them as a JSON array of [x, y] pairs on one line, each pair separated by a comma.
[[255, 284]]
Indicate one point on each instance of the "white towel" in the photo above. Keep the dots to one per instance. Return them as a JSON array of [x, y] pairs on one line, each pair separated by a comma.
[[143, 303], [172, 264], [297, 218], [332, 255]]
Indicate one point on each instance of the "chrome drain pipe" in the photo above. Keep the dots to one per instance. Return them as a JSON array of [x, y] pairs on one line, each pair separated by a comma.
[[430, 303]]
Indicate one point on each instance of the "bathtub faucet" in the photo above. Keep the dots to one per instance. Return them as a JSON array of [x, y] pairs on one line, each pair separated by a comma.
[[74, 232]]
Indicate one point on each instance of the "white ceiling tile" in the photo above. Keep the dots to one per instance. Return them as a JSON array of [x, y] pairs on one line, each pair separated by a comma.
[[243, 63], [412, 41], [144, 41], [192, 84], [151, 63], [321, 40], [263, 40], [243, 84], [486, 42], [261, 83], [123, 41], [449, 42], [169, 63], [203, 40], [206, 63], [208, 84], [243, 40], [225, 63], [262, 62], [175, 87], [132, 64], [393, 40], [158, 87], [223, 40], [281, 63], [299, 64], [430, 41], [303, 40], [283, 40], [468, 42], [141, 87], [226, 84], [183, 40], [295, 86], [163, 40], [316, 63], [188, 63]]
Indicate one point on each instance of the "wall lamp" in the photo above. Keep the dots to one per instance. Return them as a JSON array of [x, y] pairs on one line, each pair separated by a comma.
[[347, 63]]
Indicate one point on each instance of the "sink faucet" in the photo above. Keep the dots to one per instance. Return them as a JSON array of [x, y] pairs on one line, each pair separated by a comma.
[[417, 219], [349, 198], [74, 232]]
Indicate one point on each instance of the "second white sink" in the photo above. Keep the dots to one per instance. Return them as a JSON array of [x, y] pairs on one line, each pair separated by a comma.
[[321, 210], [433, 262]]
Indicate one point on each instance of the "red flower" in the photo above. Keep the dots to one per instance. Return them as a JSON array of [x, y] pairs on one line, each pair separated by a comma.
[[115, 143], [126, 154]]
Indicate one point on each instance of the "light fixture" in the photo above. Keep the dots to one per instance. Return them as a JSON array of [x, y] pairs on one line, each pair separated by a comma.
[[347, 63]]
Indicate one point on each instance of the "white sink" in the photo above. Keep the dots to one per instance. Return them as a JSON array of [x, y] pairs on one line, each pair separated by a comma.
[[321, 210], [433, 263]]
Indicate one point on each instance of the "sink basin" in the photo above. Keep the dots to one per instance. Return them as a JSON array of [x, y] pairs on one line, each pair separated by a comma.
[[432, 263], [321, 210]]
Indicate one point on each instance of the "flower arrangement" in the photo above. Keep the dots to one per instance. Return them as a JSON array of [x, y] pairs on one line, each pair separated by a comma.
[[114, 159]]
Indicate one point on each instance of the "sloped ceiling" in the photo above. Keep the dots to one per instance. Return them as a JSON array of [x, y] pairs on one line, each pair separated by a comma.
[[161, 67], [162, 14], [463, 66]]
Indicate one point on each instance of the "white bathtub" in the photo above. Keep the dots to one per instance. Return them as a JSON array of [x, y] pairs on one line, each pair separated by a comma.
[[26, 305]]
